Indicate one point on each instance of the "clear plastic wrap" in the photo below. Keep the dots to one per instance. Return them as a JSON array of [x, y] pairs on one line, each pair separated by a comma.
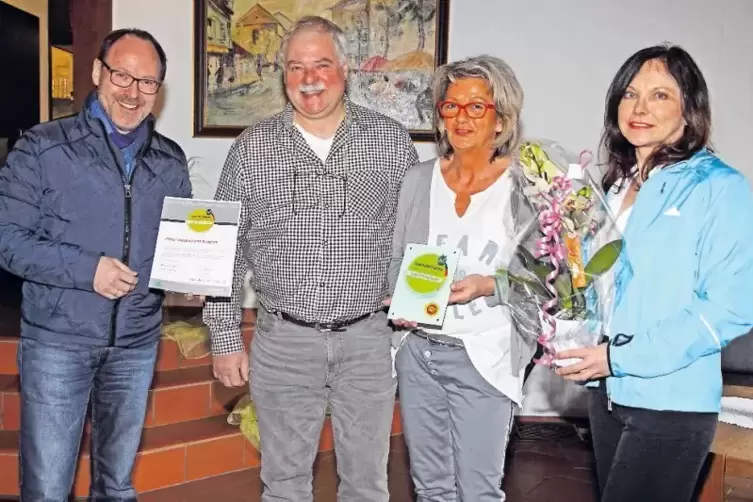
[[560, 284]]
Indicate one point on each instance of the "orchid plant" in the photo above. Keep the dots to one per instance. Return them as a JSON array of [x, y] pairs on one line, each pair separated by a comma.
[[570, 211]]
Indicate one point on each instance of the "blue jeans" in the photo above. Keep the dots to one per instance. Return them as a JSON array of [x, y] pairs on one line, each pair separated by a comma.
[[57, 383]]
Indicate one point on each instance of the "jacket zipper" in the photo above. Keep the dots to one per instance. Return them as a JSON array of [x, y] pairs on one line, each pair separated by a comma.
[[127, 185], [126, 249]]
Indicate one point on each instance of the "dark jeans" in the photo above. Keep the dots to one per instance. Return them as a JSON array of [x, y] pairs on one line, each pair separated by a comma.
[[57, 382], [647, 455]]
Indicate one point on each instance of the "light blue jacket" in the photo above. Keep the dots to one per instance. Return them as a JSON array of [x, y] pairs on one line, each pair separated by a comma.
[[684, 286]]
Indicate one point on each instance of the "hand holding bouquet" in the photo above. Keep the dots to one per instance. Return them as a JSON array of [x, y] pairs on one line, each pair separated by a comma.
[[567, 242]]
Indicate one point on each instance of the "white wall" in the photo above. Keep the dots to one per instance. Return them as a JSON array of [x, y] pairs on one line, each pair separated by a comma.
[[564, 53]]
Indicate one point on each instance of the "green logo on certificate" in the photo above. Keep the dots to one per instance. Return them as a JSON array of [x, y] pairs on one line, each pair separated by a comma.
[[200, 220], [427, 273]]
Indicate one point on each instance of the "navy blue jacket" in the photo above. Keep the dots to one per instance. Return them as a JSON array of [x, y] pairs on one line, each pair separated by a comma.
[[64, 203]]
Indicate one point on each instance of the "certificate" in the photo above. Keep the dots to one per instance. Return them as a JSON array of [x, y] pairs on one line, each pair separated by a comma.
[[196, 247], [423, 286]]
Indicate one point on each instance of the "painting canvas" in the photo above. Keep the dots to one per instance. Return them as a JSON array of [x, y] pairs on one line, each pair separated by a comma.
[[394, 47]]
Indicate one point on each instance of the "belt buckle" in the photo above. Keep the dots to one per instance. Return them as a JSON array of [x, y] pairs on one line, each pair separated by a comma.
[[328, 327]]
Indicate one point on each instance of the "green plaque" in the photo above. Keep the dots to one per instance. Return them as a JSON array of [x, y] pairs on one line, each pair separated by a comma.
[[423, 286]]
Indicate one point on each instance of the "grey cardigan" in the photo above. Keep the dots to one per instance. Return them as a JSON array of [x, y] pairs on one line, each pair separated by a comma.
[[412, 226]]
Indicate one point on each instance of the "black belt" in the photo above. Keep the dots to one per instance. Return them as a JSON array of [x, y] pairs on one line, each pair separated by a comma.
[[323, 326]]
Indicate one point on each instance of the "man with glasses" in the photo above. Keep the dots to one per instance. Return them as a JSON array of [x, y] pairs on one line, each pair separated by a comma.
[[80, 205], [319, 184]]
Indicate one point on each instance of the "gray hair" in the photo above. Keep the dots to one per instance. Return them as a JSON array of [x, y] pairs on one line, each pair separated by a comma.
[[315, 23], [507, 95]]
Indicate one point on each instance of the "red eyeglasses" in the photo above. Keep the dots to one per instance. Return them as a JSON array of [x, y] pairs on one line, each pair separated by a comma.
[[474, 110]]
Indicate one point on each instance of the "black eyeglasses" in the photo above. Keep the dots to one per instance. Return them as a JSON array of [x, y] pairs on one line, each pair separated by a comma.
[[125, 80]]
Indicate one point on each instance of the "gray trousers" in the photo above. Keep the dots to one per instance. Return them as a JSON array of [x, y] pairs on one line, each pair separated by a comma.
[[456, 424], [294, 373]]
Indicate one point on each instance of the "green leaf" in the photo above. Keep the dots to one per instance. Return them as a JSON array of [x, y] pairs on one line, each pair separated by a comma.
[[604, 258], [564, 287], [531, 263], [528, 259], [531, 284]]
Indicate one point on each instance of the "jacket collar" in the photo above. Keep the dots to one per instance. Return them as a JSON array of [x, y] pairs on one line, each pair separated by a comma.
[[696, 160]]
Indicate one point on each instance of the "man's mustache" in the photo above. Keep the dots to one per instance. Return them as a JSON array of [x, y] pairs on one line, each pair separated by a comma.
[[309, 88]]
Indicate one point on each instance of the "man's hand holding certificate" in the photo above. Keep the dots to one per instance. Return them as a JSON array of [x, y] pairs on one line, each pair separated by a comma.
[[196, 247], [423, 286]]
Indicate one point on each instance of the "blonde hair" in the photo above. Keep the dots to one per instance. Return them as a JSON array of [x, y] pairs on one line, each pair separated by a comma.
[[507, 95]]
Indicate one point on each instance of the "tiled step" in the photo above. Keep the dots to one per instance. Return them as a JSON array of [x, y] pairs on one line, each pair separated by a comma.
[[10, 411], [169, 357], [231, 486], [176, 396], [245, 486], [189, 394], [10, 319], [169, 455]]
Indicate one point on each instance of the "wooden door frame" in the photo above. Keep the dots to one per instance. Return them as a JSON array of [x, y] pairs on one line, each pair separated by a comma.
[[91, 22]]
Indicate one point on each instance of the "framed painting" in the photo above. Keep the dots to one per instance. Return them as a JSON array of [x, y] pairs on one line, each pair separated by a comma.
[[394, 47]]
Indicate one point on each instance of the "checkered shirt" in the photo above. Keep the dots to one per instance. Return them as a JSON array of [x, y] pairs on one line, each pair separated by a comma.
[[316, 236]]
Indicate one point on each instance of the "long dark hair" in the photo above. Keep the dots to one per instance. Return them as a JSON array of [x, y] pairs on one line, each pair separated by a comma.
[[696, 110]]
